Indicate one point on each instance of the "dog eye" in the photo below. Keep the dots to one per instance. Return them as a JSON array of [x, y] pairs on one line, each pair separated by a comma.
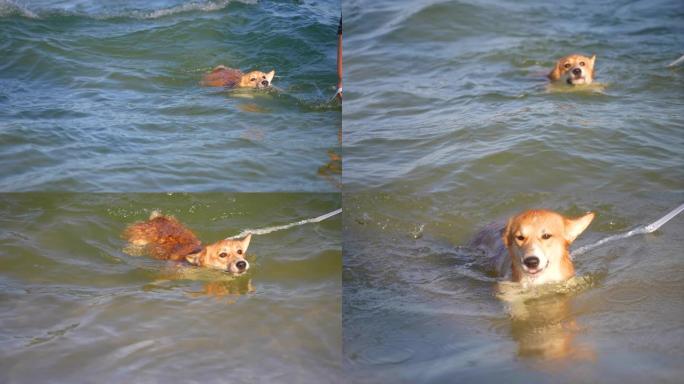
[[546, 236], [567, 65], [239, 251], [254, 79], [223, 254], [520, 237], [581, 63]]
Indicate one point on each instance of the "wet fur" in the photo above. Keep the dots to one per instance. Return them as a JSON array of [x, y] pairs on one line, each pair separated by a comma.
[[562, 71], [165, 238], [223, 76], [508, 244]]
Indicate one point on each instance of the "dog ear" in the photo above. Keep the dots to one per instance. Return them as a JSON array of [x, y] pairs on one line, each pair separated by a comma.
[[269, 76], [196, 258], [593, 59], [574, 227], [244, 242], [507, 233], [555, 74]]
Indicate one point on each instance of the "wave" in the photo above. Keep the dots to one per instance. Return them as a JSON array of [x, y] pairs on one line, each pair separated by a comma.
[[11, 8], [209, 6]]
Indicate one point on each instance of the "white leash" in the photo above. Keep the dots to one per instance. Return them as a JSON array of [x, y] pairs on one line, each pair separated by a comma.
[[263, 231], [641, 230], [677, 62], [338, 92]]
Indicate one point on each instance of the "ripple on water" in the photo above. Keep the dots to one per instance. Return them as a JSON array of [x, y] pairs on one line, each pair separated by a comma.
[[385, 354], [627, 295]]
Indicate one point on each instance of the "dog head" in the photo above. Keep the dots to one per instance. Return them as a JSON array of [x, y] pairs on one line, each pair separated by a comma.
[[538, 241], [574, 69], [228, 255], [257, 79]]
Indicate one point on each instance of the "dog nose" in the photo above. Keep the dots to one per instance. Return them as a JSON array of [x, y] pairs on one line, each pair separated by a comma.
[[241, 265], [531, 262], [576, 71], [264, 83]]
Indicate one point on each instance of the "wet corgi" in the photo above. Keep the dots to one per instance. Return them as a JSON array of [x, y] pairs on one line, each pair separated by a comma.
[[574, 70], [165, 238], [532, 248], [223, 76]]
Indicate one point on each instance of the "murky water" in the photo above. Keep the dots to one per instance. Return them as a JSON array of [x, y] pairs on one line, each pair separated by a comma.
[[449, 124], [105, 96], [75, 308]]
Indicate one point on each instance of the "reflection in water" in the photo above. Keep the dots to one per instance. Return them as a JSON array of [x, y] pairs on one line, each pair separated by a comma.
[[214, 283], [253, 108], [227, 289], [542, 322], [332, 170]]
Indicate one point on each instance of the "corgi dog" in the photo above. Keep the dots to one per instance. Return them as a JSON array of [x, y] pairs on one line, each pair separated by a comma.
[[223, 76], [574, 69], [165, 238], [533, 247]]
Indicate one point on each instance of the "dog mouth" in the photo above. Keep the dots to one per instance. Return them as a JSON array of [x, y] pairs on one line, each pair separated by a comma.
[[576, 80], [536, 270], [576, 77]]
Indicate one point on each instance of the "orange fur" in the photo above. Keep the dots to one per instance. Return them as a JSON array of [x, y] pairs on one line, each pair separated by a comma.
[[564, 67], [546, 235], [532, 247], [165, 238], [222, 76]]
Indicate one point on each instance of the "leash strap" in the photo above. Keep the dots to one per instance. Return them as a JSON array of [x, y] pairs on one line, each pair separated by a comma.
[[264, 231], [677, 62], [637, 231]]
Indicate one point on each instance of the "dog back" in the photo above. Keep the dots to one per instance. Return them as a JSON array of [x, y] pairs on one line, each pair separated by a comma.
[[223, 77], [163, 237]]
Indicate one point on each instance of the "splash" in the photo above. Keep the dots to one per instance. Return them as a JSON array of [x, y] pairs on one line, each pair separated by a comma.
[[181, 271], [594, 87], [511, 292]]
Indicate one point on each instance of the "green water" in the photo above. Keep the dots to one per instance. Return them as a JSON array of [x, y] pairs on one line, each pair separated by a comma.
[[75, 308]]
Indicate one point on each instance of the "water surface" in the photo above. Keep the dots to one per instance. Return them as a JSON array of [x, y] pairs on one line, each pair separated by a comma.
[[449, 124], [105, 96], [75, 308]]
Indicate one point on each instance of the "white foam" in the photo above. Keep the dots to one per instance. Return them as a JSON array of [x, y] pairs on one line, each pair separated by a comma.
[[201, 6], [10, 7]]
